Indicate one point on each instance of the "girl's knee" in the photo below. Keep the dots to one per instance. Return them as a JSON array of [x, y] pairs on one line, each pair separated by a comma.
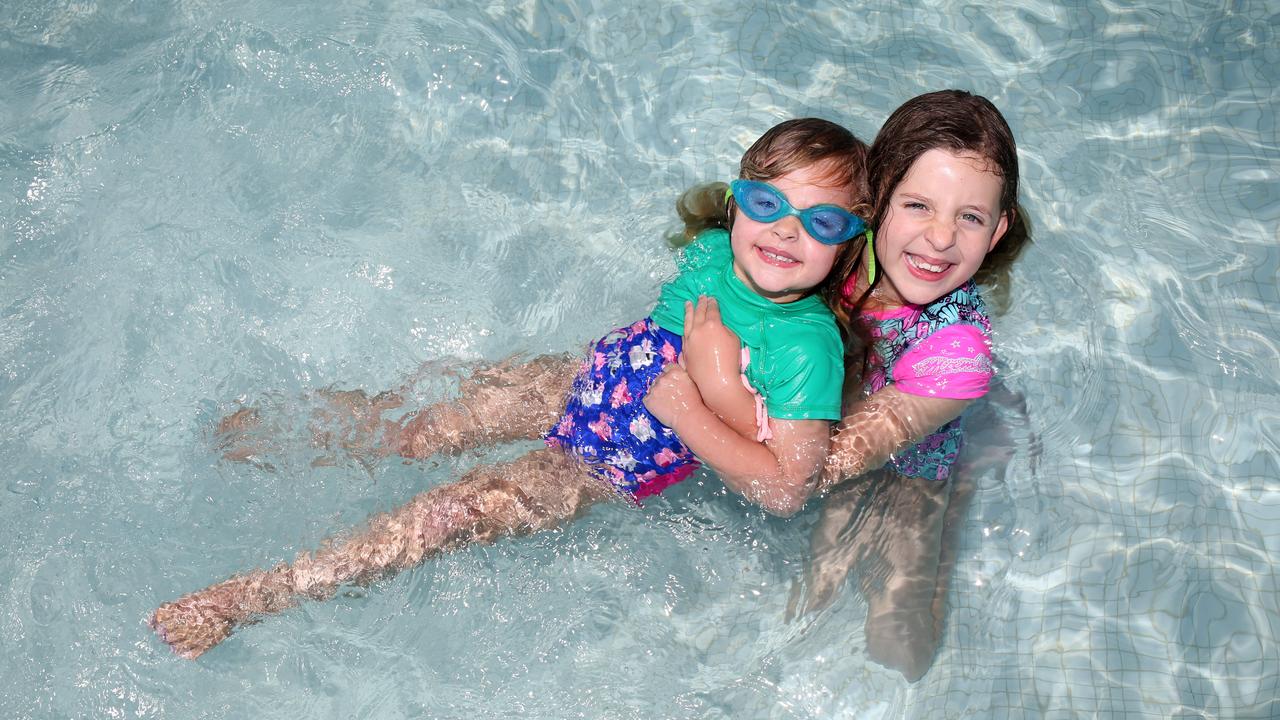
[[903, 641]]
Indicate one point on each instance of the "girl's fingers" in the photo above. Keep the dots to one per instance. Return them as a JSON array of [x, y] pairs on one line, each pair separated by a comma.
[[713, 311], [688, 314]]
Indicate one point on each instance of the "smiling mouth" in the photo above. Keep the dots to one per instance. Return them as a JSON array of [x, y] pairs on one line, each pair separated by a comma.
[[924, 268], [776, 258]]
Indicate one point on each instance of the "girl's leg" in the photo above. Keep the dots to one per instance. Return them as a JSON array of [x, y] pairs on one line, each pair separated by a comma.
[[834, 549], [900, 574], [509, 401], [538, 491], [889, 529], [338, 420], [962, 490]]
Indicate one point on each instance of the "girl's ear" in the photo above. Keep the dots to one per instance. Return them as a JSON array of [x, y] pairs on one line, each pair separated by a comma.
[[1001, 227]]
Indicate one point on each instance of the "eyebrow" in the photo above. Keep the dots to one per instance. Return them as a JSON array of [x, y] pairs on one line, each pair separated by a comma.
[[980, 208]]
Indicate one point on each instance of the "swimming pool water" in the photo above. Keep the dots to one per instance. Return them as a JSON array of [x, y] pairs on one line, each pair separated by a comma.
[[208, 203]]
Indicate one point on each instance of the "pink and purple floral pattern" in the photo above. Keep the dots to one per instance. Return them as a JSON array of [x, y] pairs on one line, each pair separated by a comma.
[[605, 422]]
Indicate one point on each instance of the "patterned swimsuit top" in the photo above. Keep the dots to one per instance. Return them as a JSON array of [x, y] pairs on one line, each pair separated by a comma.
[[938, 350]]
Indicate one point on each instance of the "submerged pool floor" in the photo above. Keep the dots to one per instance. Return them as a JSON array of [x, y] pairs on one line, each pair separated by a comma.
[[205, 205]]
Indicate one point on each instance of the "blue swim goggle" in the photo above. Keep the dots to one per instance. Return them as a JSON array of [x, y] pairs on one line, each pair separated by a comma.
[[764, 203]]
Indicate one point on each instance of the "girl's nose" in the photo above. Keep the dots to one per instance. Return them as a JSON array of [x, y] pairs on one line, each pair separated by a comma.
[[788, 228], [941, 234]]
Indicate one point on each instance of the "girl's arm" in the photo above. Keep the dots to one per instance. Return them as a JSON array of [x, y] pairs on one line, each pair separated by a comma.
[[875, 428], [778, 475], [712, 355]]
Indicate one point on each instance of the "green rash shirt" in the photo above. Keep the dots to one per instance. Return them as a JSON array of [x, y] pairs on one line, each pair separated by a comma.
[[797, 357]]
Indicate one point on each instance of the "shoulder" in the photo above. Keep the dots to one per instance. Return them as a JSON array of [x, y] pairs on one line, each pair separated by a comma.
[[962, 306], [710, 247], [823, 325]]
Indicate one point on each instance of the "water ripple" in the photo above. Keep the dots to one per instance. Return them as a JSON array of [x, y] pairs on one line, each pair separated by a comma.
[[205, 201]]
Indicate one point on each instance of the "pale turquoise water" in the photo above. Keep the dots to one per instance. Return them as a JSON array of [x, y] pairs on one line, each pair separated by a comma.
[[202, 202]]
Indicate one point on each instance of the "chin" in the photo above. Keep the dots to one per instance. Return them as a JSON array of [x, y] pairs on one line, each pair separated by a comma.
[[928, 295]]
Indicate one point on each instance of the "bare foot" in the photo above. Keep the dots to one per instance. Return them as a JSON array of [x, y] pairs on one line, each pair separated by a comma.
[[820, 587], [191, 625], [194, 623], [902, 639], [234, 436], [341, 423], [351, 422]]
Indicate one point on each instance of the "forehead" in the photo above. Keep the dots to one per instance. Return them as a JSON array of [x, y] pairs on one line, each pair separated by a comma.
[[814, 184], [964, 176]]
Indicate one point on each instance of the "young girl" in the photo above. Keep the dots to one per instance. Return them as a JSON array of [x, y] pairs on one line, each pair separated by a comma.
[[943, 172], [762, 423]]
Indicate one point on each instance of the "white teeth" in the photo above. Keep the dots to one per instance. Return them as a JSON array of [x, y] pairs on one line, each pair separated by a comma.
[[779, 258], [924, 265]]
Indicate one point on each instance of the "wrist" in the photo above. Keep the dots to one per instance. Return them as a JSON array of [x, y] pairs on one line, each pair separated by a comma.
[[841, 464]]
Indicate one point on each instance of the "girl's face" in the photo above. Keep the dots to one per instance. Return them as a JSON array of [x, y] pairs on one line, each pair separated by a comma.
[[943, 219], [778, 260]]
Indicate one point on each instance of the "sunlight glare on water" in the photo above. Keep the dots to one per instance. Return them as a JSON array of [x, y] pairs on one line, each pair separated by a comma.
[[204, 205]]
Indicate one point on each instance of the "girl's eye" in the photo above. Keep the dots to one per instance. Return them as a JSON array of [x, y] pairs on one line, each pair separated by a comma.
[[913, 205], [828, 222], [971, 218]]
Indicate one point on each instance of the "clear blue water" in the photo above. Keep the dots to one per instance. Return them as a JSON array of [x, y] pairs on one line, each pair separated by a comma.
[[203, 203]]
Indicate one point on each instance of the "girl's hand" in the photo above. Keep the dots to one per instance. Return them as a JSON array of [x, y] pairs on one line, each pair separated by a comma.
[[712, 352], [672, 394]]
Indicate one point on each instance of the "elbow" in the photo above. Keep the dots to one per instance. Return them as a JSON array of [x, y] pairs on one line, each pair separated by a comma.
[[779, 492], [785, 500], [783, 508]]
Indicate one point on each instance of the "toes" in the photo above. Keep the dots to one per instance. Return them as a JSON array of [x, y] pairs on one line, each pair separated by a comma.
[[186, 631], [238, 421]]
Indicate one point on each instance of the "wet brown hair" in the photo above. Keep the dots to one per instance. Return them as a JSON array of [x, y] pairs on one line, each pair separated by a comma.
[[784, 148], [960, 122]]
